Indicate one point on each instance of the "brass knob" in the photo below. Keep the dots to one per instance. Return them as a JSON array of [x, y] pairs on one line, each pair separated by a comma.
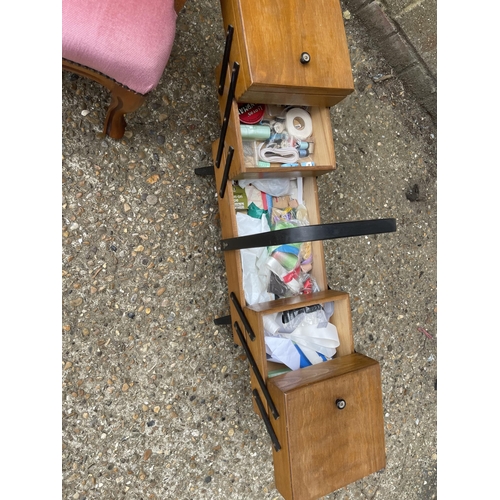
[[340, 404]]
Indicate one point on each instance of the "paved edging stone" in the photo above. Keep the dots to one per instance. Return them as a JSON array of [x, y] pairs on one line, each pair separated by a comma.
[[399, 52]]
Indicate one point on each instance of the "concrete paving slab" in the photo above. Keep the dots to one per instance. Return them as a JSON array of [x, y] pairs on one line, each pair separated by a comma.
[[156, 398]]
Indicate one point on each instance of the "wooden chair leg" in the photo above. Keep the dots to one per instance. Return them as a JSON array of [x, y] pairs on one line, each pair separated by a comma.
[[123, 101]]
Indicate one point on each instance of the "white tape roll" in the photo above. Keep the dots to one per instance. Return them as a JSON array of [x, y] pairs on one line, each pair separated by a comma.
[[299, 123]]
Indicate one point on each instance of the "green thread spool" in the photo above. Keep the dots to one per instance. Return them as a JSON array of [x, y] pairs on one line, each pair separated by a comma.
[[255, 132]]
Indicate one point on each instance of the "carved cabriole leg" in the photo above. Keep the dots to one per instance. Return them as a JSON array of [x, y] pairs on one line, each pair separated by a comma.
[[123, 100]]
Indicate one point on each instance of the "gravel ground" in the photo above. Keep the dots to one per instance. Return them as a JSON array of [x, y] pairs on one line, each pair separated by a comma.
[[156, 400]]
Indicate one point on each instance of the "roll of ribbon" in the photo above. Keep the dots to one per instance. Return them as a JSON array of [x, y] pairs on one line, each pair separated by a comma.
[[299, 123], [251, 114], [278, 155], [255, 132]]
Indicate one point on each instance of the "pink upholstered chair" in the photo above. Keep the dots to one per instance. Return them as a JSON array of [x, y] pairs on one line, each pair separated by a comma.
[[122, 44]]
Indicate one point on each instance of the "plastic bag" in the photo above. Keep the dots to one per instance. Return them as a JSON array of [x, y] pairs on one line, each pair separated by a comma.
[[255, 273], [316, 315], [307, 329], [273, 187], [322, 340], [309, 337]]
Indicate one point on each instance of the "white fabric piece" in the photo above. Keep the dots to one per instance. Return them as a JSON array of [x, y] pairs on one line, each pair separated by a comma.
[[278, 155]]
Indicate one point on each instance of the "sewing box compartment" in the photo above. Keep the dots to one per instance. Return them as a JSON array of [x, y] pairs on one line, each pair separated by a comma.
[[292, 52], [309, 126]]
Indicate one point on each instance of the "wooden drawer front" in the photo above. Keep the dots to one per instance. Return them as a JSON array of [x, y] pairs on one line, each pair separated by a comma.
[[269, 39], [341, 318], [324, 150], [324, 448]]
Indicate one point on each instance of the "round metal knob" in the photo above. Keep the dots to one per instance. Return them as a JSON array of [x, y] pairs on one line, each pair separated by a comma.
[[340, 404], [305, 58]]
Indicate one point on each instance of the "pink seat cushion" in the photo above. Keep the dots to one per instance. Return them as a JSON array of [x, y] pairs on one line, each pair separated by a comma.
[[127, 40]]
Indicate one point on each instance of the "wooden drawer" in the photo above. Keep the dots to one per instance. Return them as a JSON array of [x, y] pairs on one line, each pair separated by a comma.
[[229, 230], [341, 318], [323, 447], [323, 155], [269, 40], [255, 315], [320, 447]]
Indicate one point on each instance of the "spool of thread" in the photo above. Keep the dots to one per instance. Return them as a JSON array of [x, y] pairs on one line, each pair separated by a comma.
[[287, 260], [279, 127], [303, 144], [303, 153], [255, 132], [299, 123]]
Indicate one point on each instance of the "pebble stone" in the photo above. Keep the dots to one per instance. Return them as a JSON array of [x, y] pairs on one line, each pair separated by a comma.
[[152, 199]]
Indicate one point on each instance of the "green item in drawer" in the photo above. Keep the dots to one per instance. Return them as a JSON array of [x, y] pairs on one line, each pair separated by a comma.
[[240, 198], [256, 212], [279, 371]]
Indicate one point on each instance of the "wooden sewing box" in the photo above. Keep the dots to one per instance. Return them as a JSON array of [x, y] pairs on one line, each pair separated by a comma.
[[326, 420]]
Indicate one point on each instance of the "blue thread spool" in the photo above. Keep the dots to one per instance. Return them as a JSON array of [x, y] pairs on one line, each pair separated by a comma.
[[303, 153], [276, 137], [303, 145]]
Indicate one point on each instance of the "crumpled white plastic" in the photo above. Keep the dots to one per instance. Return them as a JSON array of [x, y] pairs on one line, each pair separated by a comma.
[[323, 340], [255, 273], [273, 187]]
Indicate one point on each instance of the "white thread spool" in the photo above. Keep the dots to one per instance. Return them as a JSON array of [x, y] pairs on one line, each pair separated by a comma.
[[278, 127], [299, 123]]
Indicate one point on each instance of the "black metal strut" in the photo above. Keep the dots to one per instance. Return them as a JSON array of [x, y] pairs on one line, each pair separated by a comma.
[[267, 422], [241, 314], [224, 320], [255, 369], [225, 175], [225, 58], [227, 112], [314, 232], [204, 170]]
